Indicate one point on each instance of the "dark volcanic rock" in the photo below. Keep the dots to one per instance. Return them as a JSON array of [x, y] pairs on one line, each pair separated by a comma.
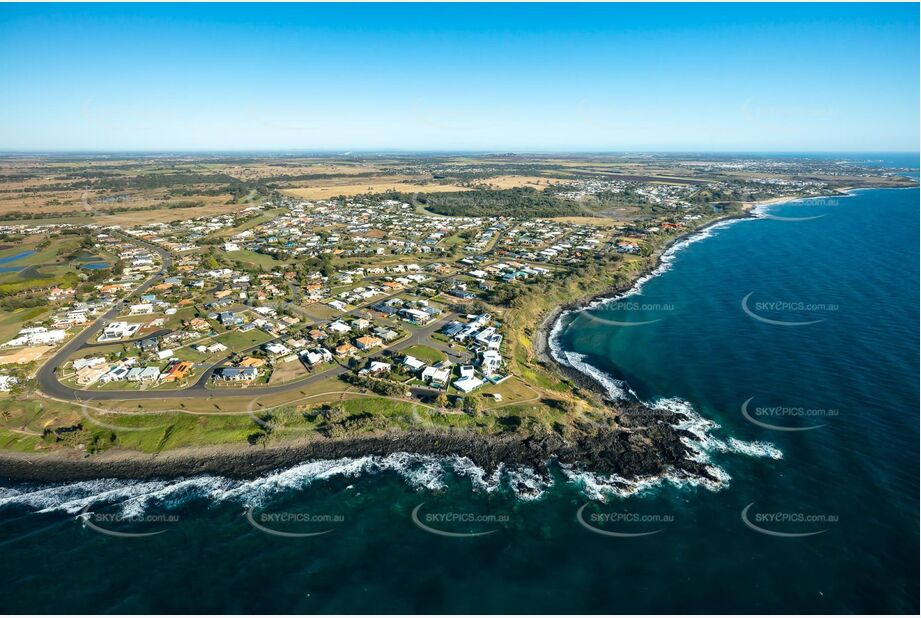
[[629, 452]]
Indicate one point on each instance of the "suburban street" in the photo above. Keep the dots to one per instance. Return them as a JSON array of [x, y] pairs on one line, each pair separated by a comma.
[[46, 377], [50, 385]]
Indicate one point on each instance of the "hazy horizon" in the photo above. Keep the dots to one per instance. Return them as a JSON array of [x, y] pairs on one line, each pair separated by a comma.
[[444, 78], [448, 152]]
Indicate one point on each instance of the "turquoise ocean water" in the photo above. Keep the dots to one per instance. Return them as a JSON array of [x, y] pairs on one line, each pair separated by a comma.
[[806, 319]]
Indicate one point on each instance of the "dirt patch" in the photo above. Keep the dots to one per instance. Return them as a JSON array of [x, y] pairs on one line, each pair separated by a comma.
[[370, 186], [24, 355]]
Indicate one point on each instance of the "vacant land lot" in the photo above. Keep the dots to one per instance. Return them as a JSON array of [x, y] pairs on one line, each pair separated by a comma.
[[23, 355], [285, 372], [509, 182], [237, 341], [425, 353], [377, 185], [11, 322]]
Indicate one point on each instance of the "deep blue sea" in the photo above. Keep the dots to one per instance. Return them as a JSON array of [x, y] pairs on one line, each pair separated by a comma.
[[796, 333]]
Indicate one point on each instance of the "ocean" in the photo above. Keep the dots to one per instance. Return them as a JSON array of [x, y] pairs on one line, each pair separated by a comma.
[[792, 341]]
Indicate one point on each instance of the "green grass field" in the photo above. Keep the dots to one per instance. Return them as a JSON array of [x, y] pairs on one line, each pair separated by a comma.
[[11, 322], [45, 267], [263, 218], [237, 341], [253, 258], [425, 353]]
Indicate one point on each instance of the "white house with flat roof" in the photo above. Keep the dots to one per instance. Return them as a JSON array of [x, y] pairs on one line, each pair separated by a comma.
[[413, 364], [465, 385]]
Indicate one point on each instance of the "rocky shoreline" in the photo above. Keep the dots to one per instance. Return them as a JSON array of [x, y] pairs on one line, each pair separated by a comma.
[[639, 443], [641, 451], [541, 339]]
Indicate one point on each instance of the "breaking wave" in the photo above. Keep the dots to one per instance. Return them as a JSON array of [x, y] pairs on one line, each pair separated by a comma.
[[601, 487], [703, 442], [136, 497], [424, 471]]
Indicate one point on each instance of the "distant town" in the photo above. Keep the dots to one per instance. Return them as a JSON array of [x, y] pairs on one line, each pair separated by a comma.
[[334, 296]]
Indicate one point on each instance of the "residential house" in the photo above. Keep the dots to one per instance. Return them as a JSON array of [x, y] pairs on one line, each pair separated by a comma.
[[346, 349], [413, 364], [436, 376], [375, 367], [177, 371], [237, 374], [367, 343], [467, 384], [317, 356]]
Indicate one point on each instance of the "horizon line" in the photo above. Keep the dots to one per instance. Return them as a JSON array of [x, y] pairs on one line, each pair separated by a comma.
[[502, 151]]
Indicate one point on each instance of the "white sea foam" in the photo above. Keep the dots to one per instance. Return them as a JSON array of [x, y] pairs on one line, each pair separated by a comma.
[[526, 483], [665, 264], [135, 497], [464, 467], [616, 389], [602, 487], [420, 471], [761, 210], [703, 442]]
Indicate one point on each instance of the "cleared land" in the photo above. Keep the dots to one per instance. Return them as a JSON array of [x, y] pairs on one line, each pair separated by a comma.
[[166, 188], [374, 186]]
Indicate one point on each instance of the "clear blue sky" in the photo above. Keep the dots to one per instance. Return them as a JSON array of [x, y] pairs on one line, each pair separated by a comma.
[[460, 77]]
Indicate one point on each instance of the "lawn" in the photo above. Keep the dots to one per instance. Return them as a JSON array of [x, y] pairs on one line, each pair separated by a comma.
[[186, 353], [237, 341], [102, 350], [175, 321], [43, 255], [253, 258], [320, 311], [42, 268], [264, 217], [425, 353], [11, 322], [513, 391]]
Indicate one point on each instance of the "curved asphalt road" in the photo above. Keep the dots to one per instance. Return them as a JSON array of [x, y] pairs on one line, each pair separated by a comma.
[[48, 381], [49, 384], [157, 333]]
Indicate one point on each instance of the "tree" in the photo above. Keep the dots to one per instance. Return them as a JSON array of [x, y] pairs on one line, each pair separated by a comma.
[[473, 404], [441, 401], [326, 267]]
